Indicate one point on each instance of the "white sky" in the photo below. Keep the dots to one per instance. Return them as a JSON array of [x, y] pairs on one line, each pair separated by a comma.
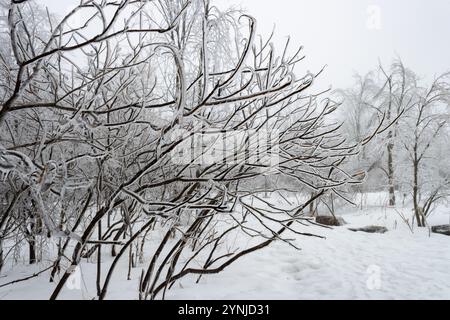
[[336, 32]]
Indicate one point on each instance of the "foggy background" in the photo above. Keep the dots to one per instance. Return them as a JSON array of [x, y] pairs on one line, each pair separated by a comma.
[[350, 35]]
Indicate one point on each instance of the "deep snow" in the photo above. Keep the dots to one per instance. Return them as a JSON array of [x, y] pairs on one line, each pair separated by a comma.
[[347, 265]]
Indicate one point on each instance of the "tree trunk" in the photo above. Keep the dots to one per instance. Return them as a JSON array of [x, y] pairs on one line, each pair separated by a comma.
[[392, 200], [32, 250], [1, 256], [99, 260], [417, 209], [312, 207], [56, 267]]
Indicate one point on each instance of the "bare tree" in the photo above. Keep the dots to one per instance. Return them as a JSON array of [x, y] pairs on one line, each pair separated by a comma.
[[398, 97], [428, 126], [414, 140], [388, 92], [93, 126]]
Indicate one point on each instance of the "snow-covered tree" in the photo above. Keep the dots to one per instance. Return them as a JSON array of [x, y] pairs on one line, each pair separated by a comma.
[[95, 114], [414, 142]]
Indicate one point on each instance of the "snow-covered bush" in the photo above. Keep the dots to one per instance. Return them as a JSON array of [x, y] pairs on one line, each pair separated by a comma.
[[92, 111]]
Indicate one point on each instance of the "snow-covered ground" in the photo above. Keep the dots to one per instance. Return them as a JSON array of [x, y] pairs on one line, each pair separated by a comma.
[[399, 264]]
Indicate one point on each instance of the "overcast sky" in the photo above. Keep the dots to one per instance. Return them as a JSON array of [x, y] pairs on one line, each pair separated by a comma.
[[347, 35], [351, 35]]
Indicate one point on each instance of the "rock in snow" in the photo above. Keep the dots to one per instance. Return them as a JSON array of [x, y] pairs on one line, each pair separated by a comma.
[[330, 221], [370, 229], [445, 229]]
